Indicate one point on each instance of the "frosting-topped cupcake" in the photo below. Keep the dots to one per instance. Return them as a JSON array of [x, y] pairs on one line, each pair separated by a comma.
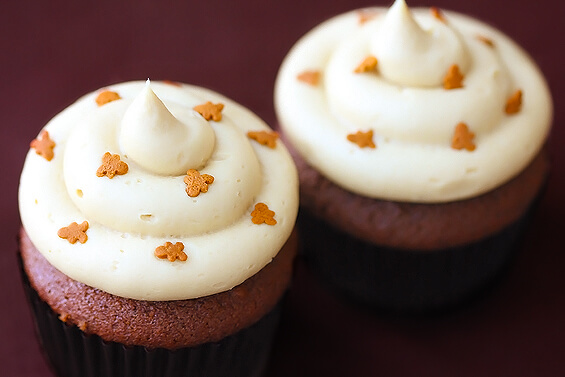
[[160, 192], [426, 126], [394, 93]]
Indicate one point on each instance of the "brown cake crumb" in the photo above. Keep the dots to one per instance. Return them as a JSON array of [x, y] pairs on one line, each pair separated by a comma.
[[264, 138], [453, 79], [171, 252], [111, 166], [106, 97], [44, 146], [210, 111], [309, 77], [514, 103], [368, 64], [262, 214], [74, 232], [197, 183], [362, 139], [463, 138]]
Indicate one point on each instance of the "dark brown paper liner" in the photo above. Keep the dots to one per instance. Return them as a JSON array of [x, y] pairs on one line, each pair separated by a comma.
[[400, 280], [71, 352]]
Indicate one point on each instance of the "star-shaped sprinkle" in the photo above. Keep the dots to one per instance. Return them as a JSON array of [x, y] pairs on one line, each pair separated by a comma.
[[309, 77], [438, 14], [74, 232], [485, 40], [262, 214], [106, 97], [362, 139], [171, 251], [463, 138], [367, 65], [514, 103], [197, 183], [111, 166], [264, 137], [210, 111], [43, 146], [453, 79]]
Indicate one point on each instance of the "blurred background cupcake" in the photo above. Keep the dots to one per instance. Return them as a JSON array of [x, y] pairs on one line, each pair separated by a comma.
[[419, 137]]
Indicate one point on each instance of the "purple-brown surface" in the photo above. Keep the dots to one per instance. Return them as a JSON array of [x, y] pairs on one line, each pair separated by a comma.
[[55, 51]]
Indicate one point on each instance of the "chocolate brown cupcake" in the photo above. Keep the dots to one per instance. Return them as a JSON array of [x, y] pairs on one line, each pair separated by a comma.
[[157, 234], [419, 139]]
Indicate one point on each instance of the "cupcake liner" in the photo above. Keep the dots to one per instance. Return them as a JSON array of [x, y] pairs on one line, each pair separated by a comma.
[[71, 352], [401, 280]]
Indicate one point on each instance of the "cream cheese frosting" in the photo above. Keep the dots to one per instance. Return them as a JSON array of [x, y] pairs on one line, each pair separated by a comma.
[[156, 132], [405, 105]]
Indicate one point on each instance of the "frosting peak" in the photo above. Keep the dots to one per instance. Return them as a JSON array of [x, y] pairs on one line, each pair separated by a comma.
[[159, 142], [414, 54]]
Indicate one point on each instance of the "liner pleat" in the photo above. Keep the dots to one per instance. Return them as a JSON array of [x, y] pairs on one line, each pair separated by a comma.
[[402, 280], [71, 352]]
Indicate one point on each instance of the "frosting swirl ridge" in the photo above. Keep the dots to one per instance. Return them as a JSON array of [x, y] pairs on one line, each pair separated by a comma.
[[149, 171]]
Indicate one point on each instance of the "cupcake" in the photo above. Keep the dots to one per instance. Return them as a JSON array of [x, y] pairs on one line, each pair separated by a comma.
[[419, 137], [157, 234]]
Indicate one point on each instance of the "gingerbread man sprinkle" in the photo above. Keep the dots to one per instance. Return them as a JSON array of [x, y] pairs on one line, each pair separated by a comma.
[[453, 79], [111, 166], [264, 138], [262, 214], [362, 139], [171, 252], [463, 138], [210, 111], [309, 77], [44, 146], [106, 97], [367, 65], [74, 232], [514, 103], [197, 183]]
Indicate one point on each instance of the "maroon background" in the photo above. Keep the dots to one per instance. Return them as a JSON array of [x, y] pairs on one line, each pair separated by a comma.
[[52, 52]]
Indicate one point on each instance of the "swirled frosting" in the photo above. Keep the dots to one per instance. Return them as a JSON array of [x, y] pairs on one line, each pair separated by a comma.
[[156, 132], [405, 105]]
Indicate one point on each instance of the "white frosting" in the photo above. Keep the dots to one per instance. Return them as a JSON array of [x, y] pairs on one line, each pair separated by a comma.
[[412, 116], [155, 130]]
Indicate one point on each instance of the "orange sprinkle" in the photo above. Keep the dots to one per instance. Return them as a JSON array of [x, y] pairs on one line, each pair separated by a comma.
[[366, 15], [453, 79], [368, 64], [171, 82], [74, 232], [485, 40], [171, 252], [43, 146], [107, 96], [264, 137], [514, 103], [196, 183], [262, 214], [362, 139], [210, 111], [309, 77], [438, 14], [111, 166], [463, 138]]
